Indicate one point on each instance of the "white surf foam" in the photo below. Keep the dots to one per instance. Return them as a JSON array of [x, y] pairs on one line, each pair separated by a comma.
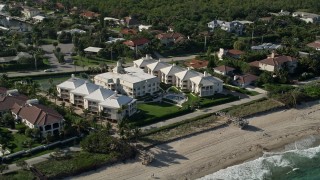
[[262, 167]]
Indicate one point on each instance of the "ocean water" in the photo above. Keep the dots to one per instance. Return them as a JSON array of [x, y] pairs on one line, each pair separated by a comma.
[[297, 161]]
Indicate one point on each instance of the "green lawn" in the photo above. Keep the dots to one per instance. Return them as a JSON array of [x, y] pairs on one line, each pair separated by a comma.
[[48, 41], [87, 61], [44, 83], [253, 107], [154, 112]]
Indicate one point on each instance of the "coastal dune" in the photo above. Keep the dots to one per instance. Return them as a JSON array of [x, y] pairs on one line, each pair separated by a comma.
[[203, 154]]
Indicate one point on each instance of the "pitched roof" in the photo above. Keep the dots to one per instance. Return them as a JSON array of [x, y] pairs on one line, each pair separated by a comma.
[[278, 60], [100, 95], [71, 83], [187, 74], [136, 42], [172, 70], [3, 90], [144, 61], [205, 80], [197, 64], [172, 35], [254, 64], [235, 52], [7, 101], [315, 44], [127, 31], [242, 79], [158, 65], [89, 14], [85, 89], [223, 68], [37, 114], [116, 101]]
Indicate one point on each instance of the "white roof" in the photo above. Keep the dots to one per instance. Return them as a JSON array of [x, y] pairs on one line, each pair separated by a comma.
[[71, 83], [132, 75], [92, 49], [171, 70], [72, 31], [144, 61], [85, 89], [205, 80], [1, 6], [38, 17], [116, 101], [100, 95], [158, 65], [111, 19], [113, 40], [187, 74]]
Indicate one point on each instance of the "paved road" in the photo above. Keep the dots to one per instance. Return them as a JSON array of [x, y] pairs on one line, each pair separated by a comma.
[[204, 111], [55, 65], [35, 160]]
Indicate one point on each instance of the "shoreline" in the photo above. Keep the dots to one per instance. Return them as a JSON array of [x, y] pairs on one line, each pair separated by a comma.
[[197, 156], [279, 147]]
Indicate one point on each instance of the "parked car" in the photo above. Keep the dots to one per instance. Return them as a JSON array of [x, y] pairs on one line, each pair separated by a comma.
[[48, 70]]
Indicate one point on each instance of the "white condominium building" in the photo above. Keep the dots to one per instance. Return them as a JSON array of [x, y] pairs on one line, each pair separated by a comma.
[[97, 99], [143, 62], [67, 86], [131, 81]]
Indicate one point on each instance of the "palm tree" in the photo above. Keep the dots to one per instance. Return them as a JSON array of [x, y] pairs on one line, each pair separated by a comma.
[[80, 124]]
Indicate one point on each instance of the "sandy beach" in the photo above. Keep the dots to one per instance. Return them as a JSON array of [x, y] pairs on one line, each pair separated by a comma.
[[209, 152]]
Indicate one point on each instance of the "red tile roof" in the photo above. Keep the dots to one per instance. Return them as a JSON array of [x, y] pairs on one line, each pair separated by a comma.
[[37, 114], [242, 79], [89, 14], [6, 102], [197, 64], [254, 64], [59, 5], [127, 31], [136, 42], [278, 60], [223, 68], [235, 52], [315, 44], [3, 90], [172, 35]]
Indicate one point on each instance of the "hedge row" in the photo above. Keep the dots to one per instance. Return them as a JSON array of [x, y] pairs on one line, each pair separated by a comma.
[[220, 101], [174, 125]]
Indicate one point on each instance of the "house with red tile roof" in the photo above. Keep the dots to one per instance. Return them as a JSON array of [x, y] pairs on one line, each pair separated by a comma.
[[170, 38], [244, 80], [10, 97], [34, 115], [139, 43], [233, 53], [276, 62], [223, 70], [197, 64], [315, 45], [127, 31], [89, 15]]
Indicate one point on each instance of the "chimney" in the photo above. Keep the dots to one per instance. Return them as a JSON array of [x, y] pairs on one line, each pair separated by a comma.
[[147, 56], [205, 74], [235, 78], [159, 60], [174, 64], [188, 68], [272, 55], [72, 76]]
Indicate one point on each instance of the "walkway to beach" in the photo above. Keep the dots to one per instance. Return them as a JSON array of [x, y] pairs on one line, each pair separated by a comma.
[[204, 111]]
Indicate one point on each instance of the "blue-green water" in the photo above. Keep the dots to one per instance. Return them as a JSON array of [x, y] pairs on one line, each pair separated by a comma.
[[298, 161]]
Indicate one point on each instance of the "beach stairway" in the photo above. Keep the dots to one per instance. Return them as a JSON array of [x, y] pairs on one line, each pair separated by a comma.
[[238, 121]]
